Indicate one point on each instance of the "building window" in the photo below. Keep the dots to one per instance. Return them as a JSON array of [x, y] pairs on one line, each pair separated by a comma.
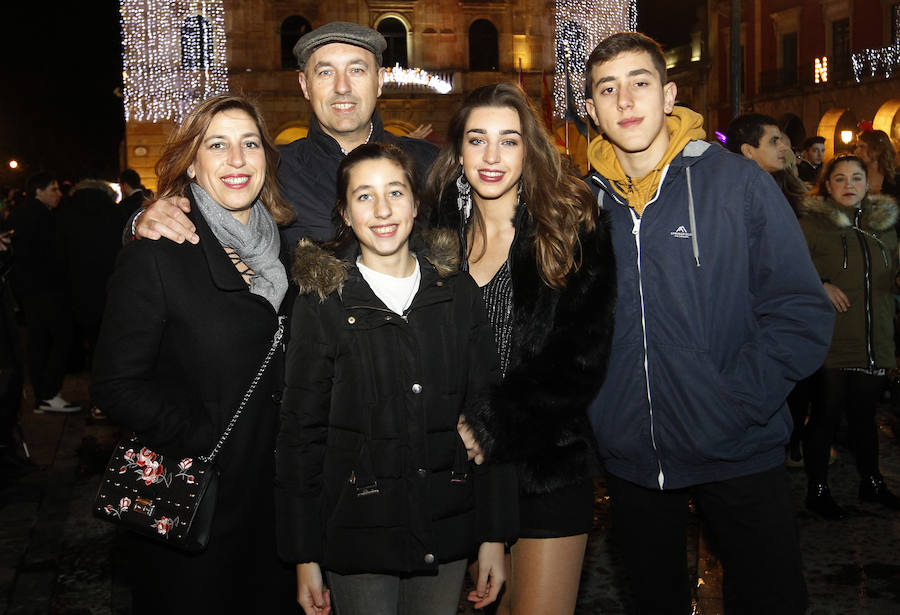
[[840, 48], [789, 58], [292, 29], [394, 32], [483, 49], [196, 43]]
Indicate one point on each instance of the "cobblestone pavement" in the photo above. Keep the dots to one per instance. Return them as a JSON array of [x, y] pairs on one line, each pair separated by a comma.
[[55, 557]]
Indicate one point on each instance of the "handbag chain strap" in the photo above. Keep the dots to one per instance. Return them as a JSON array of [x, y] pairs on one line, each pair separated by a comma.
[[262, 368]]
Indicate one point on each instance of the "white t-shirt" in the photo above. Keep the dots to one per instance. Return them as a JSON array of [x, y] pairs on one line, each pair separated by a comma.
[[397, 293]]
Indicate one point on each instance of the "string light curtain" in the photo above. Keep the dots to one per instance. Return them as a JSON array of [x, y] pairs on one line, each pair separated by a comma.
[[883, 63], [173, 56], [580, 25]]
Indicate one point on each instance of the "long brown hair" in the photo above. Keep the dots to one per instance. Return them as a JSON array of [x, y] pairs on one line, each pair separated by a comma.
[[556, 199], [881, 150], [182, 147]]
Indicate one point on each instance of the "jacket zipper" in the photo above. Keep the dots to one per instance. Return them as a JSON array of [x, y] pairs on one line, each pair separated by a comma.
[[867, 278], [636, 231]]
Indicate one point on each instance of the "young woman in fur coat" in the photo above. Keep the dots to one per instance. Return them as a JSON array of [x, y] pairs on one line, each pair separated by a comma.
[[535, 242], [853, 243], [389, 345]]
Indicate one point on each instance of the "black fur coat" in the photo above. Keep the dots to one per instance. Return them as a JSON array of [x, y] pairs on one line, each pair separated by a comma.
[[537, 417]]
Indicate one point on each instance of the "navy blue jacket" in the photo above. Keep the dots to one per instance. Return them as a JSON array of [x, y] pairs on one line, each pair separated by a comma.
[[719, 313]]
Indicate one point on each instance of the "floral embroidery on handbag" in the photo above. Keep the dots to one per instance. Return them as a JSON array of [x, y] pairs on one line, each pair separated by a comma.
[[149, 468]]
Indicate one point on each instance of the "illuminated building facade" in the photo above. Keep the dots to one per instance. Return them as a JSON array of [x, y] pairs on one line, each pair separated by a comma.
[[181, 51], [834, 64]]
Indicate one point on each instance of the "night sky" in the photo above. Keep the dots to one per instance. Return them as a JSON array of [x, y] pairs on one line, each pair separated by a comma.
[[62, 64], [58, 111]]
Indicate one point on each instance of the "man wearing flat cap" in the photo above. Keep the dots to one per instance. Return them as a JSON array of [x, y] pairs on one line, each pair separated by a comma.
[[341, 77]]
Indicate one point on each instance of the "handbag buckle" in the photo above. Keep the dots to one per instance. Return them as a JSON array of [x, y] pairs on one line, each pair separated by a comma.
[[143, 506]]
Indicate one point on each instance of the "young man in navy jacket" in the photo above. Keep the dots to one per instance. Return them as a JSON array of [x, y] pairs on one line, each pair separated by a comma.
[[719, 313]]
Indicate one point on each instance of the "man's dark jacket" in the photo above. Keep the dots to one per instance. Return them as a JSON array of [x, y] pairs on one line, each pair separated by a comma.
[[307, 176], [719, 312]]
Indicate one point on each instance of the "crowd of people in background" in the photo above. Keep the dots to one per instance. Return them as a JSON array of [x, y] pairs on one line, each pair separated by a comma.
[[475, 331], [847, 208]]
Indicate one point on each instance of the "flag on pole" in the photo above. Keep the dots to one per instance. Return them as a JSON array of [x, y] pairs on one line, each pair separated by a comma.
[[547, 107], [572, 110]]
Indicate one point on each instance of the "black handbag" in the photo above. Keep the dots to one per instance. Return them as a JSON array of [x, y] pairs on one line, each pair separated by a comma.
[[162, 495]]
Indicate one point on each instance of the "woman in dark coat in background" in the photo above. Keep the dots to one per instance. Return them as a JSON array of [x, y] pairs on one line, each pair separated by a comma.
[[852, 239], [185, 330]]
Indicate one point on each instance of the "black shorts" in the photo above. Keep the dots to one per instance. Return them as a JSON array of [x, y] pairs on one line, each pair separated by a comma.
[[568, 511]]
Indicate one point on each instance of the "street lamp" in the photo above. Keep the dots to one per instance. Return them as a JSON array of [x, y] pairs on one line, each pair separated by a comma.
[[13, 164]]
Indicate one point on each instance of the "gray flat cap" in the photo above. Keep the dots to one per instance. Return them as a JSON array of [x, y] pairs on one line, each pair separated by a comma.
[[339, 32]]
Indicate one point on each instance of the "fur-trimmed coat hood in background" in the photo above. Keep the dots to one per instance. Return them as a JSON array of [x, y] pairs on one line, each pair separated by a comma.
[[879, 212], [835, 236]]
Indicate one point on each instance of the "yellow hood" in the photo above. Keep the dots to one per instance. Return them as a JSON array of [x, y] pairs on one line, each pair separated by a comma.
[[683, 125]]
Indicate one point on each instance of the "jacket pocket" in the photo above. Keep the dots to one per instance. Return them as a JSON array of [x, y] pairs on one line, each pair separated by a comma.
[[450, 482], [360, 497], [695, 415]]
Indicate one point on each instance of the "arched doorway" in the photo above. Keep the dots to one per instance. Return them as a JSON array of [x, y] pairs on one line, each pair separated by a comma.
[[834, 122], [399, 128], [394, 32], [483, 49], [791, 125], [888, 119], [292, 29], [290, 134]]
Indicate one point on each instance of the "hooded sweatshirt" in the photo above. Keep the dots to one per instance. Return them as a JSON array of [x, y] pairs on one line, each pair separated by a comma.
[[683, 125]]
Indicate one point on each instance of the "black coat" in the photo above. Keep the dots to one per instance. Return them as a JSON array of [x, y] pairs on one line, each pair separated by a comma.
[[181, 339], [372, 474], [537, 417], [37, 267], [307, 175], [89, 231], [129, 205]]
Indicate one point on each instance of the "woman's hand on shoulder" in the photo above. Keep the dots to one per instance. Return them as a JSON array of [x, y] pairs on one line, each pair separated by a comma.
[[311, 594], [491, 574]]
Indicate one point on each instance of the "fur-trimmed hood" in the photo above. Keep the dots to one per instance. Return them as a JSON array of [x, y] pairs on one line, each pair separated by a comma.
[[880, 212], [95, 184], [316, 270]]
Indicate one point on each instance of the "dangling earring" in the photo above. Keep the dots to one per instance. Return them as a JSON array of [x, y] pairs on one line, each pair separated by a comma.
[[464, 192], [190, 173]]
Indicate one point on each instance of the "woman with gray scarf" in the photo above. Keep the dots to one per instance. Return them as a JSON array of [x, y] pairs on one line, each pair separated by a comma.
[[185, 330]]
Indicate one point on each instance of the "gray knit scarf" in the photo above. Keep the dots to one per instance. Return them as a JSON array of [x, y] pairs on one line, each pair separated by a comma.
[[258, 244]]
